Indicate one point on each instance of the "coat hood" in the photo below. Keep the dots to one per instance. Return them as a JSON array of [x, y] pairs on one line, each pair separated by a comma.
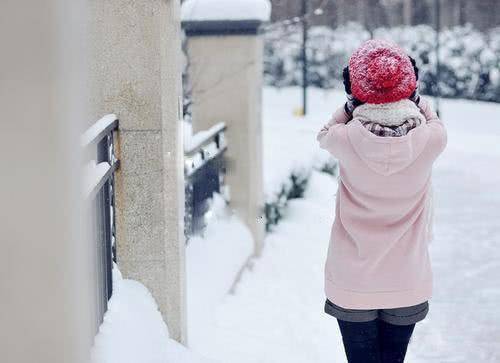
[[387, 155]]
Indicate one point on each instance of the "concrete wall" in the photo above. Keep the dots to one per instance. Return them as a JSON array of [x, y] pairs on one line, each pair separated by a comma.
[[44, 264], [136, 74], [226, 77]]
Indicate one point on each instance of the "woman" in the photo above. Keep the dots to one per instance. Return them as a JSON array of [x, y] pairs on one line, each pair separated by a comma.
[[378, 277]]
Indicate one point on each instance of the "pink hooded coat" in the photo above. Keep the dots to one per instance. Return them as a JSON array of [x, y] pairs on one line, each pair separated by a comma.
[[378, 255]]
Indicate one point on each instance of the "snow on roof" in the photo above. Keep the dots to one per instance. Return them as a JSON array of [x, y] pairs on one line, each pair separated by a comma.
[[198, 10]]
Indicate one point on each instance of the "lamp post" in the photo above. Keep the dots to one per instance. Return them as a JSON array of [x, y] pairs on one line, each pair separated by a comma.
[[437, 92], [304, 57]]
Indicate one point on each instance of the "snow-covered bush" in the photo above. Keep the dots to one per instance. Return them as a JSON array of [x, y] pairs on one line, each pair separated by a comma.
[[331, 167], [328, 52], [494, 44], [469, 59], [282, 57], [294, 187]]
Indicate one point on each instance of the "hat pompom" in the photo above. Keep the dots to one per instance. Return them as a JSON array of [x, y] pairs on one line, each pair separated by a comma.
[[381, 72]]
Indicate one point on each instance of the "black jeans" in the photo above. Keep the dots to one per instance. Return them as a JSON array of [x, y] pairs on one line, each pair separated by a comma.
[[375, 341]]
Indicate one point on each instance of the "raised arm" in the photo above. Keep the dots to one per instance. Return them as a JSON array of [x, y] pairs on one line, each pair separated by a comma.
[[438, 131], [338, 117], [328, 136]]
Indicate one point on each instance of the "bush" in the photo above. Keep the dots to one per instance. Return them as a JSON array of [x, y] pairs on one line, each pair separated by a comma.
[[328, 52], [292, 188], [469, 59]]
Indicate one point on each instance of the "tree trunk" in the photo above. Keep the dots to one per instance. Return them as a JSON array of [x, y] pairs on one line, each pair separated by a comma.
[[407, 12]]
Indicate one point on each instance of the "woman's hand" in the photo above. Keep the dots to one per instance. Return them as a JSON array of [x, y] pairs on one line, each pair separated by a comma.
[[415, 96], [339, 117], [426, 109]]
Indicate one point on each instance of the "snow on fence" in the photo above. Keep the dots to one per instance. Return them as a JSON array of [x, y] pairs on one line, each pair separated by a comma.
[[98, 141], [204, 169]]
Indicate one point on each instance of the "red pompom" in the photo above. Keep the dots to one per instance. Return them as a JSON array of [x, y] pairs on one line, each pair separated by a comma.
[[381, 72]]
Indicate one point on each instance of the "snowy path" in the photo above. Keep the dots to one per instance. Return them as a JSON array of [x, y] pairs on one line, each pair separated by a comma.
[[464, 320], [276, 313]]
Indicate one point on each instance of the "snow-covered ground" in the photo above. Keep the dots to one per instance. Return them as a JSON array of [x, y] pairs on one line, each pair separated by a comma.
[[290, 141], [133, 330], [275, 313], [213, 262]]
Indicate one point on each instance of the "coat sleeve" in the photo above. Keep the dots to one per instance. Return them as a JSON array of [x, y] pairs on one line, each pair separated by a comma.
[[438, 136], [332, 135]]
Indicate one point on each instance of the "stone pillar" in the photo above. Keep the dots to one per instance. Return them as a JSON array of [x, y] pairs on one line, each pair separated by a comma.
[[45, 262], [136, 75], [225, 68]]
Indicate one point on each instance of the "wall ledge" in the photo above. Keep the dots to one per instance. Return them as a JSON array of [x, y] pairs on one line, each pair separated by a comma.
[[222, 27]]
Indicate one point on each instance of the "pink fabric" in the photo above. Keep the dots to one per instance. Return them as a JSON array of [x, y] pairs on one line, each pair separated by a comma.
[[378, 256], [381, 72]]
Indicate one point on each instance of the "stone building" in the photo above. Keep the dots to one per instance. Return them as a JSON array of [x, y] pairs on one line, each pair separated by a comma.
[[67, 64], [135, 73], [70, 64]]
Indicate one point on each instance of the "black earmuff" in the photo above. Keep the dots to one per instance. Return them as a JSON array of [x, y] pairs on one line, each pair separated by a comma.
[[347, 85], [347, 80], [415, 68]]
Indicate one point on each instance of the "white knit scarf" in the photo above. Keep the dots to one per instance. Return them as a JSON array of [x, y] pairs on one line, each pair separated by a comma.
[[388, 114]]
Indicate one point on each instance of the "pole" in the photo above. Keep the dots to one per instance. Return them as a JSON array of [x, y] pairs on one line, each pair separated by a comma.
[[304, 57], [438, 63], [407, 12]]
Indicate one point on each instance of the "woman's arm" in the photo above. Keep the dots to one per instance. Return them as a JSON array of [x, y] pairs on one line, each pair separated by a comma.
[[338, 117], [328, 136], [438, 131]]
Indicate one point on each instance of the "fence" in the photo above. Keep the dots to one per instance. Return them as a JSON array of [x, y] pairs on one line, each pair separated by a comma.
[[98, 142], [204, 171]]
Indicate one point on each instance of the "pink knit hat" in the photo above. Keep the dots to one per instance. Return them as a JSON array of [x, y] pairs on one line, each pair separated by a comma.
[[381, 72]]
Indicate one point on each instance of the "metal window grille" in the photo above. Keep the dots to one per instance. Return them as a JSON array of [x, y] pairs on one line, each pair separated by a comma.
[[204, 171], [100, 199]]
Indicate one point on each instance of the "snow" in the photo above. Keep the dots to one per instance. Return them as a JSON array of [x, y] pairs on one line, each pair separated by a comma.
[[275, 313], [133, 330], [97, 128], [201, 141], [202, 10], [212, 264], [290, 141], [194, 141], [92, 175]]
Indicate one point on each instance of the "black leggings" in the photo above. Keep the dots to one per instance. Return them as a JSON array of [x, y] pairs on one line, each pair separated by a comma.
[[375, 341]]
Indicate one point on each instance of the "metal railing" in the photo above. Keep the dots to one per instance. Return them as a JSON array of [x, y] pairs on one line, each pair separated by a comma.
[[99, 194], [204, 174]]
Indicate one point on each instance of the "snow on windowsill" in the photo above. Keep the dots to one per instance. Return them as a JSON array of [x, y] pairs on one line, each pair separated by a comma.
[[93, 173], [97, 128], [194, 141], [209, 10]]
